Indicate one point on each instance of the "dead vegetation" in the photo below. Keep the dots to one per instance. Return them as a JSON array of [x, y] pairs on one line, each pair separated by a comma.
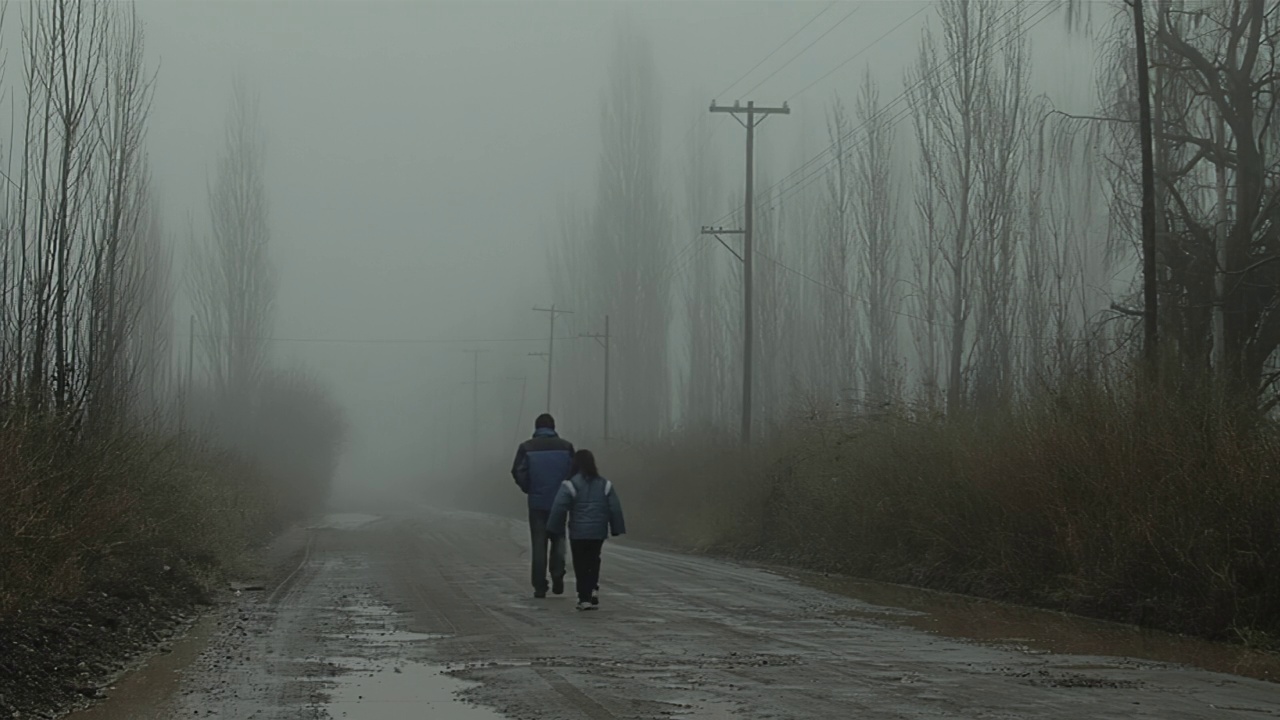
[[1143, 510]]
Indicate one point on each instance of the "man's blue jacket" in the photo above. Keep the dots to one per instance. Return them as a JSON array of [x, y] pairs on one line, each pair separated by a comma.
[[542, 463]]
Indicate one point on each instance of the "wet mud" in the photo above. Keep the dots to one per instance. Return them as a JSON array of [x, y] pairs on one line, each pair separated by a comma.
[[427, 614], [1032, 630]]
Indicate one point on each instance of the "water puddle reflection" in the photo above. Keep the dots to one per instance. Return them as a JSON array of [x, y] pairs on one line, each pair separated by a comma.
[[380, 690], [380, 680], [1040, 631], [345, 521]]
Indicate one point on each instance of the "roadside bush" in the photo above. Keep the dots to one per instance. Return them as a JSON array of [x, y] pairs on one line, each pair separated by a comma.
[[1147, 510], [130, 514]]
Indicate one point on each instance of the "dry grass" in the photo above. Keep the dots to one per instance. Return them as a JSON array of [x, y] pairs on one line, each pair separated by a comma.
[[127, 515], [1150, 511]]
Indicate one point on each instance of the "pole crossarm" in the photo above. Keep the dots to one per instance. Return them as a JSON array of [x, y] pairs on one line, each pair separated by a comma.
[[553, 312], [751, 111], [717, 232]]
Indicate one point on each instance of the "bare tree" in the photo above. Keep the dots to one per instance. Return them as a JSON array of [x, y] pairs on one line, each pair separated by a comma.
[[234, 282], [1001, 136], [877, 222], [837, 343], [124, 266], [704, 334], [631, 238], [947, 104]]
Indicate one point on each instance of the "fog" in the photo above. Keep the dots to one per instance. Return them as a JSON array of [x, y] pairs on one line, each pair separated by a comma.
[[417, 155]]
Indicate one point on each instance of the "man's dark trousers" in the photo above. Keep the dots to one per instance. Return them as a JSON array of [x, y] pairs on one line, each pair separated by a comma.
[[541, 541]]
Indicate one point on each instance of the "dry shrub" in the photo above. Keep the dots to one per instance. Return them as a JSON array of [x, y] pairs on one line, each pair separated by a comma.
[[128, 514], [699, 493], [1160, 511]]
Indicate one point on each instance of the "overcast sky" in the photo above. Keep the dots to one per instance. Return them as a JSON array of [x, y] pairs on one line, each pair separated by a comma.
[[418, 150]]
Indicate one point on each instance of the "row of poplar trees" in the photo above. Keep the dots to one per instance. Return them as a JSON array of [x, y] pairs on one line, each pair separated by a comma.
[[958, 244], [88, 286]]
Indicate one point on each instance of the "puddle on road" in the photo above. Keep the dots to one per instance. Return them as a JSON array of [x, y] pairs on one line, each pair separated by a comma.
[[709, 711], [344, 521], [370, 690], [1034, 630], [382, 681]]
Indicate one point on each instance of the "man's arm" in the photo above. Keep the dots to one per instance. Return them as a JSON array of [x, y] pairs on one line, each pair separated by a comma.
[[520, 469], [560, 509]]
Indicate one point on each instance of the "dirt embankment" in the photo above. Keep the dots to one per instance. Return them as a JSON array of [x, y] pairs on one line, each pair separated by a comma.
[[62, 656]]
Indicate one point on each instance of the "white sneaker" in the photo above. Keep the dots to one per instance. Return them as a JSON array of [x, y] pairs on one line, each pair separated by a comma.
[[585, 605]]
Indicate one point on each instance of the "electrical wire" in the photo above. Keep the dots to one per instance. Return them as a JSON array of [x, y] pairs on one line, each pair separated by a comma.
[[805, 49], [864, 49], [732, 85]]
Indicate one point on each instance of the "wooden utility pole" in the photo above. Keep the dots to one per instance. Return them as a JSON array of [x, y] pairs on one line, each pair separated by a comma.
[[603, 339], [1150, 303], [1220, 253], [185, 407], [524, 385], [551, 345], [475, 408], [751, 111]]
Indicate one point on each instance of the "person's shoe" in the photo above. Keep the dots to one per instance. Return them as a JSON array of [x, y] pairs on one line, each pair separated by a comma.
[[585, 605], [557, 586], [595, 599], [539, 594]]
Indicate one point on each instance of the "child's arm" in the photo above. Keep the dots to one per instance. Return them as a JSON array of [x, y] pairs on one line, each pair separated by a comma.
[[560, 509], [617, 524]]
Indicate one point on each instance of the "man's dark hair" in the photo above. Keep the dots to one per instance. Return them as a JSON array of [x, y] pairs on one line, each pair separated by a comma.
[[544, 422], [584, 464]]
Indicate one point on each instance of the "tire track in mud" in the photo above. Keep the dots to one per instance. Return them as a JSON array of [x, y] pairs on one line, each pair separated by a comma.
[[677, 637], [661, 664], [473, 622], [684, 630]]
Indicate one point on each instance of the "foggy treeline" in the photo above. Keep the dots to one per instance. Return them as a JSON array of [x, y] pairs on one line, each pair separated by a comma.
[[118, 433], [950, 379], [959, 245]]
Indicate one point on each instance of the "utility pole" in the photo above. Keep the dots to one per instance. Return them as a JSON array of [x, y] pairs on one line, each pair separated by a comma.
[[475, 408], [1219, 275], [1150, 303], [551, 345], [185, 406], [524, 385], [751, 111], [603, 339]]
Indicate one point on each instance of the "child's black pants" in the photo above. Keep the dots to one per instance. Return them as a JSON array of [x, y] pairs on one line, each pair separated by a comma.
[[586, 566]]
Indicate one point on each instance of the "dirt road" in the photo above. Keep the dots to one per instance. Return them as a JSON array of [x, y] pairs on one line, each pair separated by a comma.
[[429, 615]]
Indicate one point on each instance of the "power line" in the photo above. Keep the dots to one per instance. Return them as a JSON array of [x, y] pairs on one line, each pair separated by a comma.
[[891, 107], [724, 93], [805, 49], [684, 142], [900, 114], [387, 341], [858, 54], [807, 176], [858, 298]]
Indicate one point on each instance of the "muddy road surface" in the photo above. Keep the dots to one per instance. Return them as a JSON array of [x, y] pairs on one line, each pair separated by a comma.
[[429, 615]]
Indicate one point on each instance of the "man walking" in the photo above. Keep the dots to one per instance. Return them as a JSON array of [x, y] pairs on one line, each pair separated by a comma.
[[542, 463]]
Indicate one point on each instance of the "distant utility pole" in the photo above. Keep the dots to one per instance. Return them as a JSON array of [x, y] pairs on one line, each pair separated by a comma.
[[185, 405], [551, 345], [751, 111], [524, 385], [603, 339], [475, 408]]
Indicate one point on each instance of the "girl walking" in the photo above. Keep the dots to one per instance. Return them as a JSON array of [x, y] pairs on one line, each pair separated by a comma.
[[593, 512]]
